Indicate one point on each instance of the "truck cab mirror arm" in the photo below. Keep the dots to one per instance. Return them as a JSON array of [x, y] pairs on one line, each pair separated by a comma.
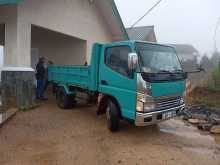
[[197, 71]]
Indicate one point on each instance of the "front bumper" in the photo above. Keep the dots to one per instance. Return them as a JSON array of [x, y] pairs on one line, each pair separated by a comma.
[[151, 118]]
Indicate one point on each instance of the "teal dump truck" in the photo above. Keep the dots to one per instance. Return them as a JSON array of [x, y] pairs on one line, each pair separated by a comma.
[[131, 80]]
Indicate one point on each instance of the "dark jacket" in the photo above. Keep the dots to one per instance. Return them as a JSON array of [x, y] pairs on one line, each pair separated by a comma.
[[41, 71]]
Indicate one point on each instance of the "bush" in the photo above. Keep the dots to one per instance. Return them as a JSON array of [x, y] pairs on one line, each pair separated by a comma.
[[204, 96], [214, 80]]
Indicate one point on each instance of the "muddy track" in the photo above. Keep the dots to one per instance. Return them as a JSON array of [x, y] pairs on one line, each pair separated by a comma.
[[48, 136]]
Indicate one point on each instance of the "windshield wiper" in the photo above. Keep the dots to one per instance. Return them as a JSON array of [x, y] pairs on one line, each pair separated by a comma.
[[171, 72], [159, 72], [179, 70], [164, 71]]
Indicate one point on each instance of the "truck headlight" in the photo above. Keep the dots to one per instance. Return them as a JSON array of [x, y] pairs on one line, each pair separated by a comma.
[[144, 103], [183, 98], [139, 106], [182, 101], [149, 106]]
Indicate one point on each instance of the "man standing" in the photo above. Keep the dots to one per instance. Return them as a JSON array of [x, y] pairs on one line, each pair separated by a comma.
[[41, 79]]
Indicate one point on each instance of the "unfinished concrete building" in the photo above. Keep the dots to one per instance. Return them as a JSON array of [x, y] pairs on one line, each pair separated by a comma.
[[62, 31]]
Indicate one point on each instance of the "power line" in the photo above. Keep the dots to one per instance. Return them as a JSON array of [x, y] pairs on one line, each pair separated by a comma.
[[215, 35], [146, 13]]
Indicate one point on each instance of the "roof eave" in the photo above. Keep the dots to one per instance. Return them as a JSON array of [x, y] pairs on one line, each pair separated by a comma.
[[116, 12]]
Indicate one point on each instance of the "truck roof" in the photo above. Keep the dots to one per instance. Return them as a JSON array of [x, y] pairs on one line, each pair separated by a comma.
[[137, 41]]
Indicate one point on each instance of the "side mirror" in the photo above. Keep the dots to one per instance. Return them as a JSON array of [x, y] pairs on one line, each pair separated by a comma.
[[132, 61], [199, 69]]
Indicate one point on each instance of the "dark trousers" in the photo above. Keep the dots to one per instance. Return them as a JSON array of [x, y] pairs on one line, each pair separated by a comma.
[[40, 88]]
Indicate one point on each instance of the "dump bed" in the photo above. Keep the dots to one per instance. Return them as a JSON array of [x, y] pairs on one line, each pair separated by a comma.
[[70, 75], [85, 77]]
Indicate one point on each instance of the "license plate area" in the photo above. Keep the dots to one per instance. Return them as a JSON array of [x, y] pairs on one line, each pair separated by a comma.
[[168, 115]]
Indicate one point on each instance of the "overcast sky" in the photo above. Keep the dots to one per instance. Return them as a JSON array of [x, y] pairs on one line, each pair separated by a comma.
[[177, 21]]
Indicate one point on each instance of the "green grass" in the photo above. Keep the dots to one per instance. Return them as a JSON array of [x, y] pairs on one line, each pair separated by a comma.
[[209, 94], [204, 100], [25, 109], [213, 83], [204, 96]]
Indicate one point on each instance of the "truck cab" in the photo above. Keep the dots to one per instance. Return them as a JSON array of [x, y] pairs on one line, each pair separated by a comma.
[[146, 79], [136, 81]]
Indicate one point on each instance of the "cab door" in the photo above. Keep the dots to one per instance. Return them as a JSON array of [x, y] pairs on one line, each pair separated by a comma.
[[116, 80]]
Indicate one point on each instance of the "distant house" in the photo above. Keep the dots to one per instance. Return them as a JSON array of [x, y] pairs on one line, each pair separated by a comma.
[[186, 52], [143, 33], [188, 56]]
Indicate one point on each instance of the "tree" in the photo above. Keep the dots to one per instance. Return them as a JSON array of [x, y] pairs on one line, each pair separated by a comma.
[[215, 58], [206, 63]]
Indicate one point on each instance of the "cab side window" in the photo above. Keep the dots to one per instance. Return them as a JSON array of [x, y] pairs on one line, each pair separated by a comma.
[[116, 58]]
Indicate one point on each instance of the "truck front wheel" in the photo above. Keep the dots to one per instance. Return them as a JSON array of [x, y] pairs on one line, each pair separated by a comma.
[[64, 101], [113, 117]]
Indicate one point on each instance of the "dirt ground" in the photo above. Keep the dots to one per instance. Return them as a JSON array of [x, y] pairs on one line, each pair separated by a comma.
[[50, 136]]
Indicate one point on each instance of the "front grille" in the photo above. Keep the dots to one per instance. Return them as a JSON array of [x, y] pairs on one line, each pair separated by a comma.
[[167, 103]]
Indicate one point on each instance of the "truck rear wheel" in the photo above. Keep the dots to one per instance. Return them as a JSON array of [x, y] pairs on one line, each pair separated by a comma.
[[113, 117], [64, 101]]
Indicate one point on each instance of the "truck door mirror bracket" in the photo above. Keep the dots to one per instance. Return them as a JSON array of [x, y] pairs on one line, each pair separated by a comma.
[[199, 69]]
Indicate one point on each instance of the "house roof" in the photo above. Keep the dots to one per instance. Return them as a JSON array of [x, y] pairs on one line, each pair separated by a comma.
[[140, 33], [113, 19], [108, 10], [185, 49]]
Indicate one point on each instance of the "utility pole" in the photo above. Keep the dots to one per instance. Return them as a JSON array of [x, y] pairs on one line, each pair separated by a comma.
[[215, 43], [215, 35], [152, 8]]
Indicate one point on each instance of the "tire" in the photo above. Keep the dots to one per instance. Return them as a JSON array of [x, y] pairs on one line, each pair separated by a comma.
[[64, 101], [113, 117], [54, 88]]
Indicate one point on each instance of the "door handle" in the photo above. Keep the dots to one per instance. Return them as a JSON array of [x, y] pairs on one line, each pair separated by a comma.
[[104, 82]]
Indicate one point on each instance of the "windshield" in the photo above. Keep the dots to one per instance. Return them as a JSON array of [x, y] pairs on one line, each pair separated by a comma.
[[157, 58]]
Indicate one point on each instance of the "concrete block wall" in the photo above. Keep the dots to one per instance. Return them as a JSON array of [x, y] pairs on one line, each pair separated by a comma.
[[57, 47], [76, 18], [18, 88]]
